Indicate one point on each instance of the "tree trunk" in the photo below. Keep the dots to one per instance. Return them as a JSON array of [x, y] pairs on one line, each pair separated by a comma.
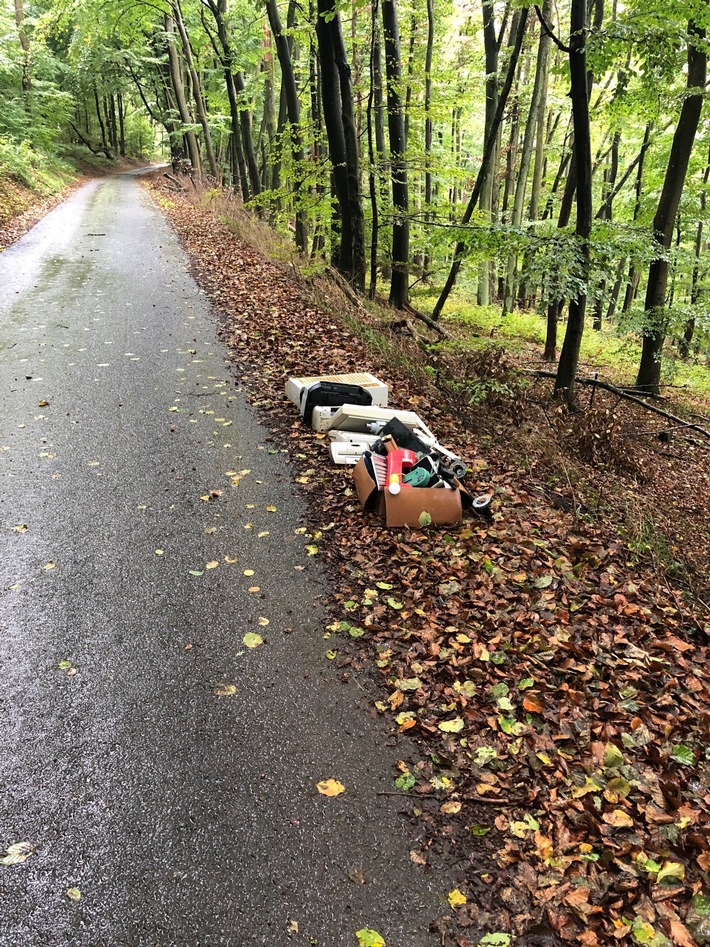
[[649, 374], [491, 46], [428, 125], [569, 357], [337, 113], [608, 213], [25, 44], [695, 291], [102, 126], [633, 278], [293, 109], [179, 90], [399, 286], [541, 77], [488, 150], [196, 88], [525, 160]]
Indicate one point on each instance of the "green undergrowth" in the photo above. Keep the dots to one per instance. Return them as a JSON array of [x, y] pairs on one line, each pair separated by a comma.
[[612, 353]]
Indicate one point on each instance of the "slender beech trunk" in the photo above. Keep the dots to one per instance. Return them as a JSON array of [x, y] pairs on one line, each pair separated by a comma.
[[25, 44], [196, 88], [633, 277], [689, 330], [102, 126], [649, 374], [399, 285], [372, 173], [410, 75], [428, 125], [488, 149], [224, 54], [121, 125], [293, 108], [525, 160], [179, 90], [337, 113], [541, 78], [610, 176], [569, 357], [491, 46]]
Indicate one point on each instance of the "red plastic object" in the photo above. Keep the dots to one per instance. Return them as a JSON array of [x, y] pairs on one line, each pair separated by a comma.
[[398, 463]]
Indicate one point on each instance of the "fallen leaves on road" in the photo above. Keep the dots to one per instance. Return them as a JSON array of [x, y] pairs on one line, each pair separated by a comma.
[[225, 690], [330, 787], [17, 853], [252, 640]]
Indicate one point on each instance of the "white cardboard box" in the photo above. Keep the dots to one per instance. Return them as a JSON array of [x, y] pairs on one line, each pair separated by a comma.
[[378, 389]]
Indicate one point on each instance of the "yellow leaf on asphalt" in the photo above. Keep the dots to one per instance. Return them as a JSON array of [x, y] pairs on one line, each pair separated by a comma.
[[74, 894], [50, 565], [330, 787], [225, 690], [254, 588], [248, 572], [252, 640], [212, 565], [263, 621], [271, 508], [366, 937]]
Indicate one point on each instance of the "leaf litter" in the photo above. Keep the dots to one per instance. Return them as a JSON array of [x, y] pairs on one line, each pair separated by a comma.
[[577, 669]]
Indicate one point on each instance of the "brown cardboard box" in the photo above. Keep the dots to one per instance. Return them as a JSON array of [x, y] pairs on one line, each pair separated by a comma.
[[372, 499], [405, 508]]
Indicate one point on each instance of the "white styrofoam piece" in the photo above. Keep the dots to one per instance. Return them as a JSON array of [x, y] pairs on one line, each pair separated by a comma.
[[353, 417], [378, 389]]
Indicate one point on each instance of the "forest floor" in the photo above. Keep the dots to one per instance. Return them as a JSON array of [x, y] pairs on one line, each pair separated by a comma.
[[551, 665]]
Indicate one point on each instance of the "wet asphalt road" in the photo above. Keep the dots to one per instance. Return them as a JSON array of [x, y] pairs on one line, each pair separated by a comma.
[[184, 817]]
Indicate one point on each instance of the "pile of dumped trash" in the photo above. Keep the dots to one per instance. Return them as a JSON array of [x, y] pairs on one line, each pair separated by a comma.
[[401, 470]]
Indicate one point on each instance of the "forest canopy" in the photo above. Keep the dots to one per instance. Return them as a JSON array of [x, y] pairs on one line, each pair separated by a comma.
[[549, 157]]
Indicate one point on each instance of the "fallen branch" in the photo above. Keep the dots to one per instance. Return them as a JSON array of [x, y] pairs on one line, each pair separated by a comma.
[[621, 393], [345, 287], [427, 320]]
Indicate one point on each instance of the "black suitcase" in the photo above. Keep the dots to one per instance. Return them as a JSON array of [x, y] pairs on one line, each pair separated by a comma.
[[331, 394]]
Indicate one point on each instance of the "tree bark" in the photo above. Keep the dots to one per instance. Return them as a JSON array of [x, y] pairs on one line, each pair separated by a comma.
[[491, 48], [397, 133], [428, 124], [649, 373], [525, 160], [293, 108], [179, 90], [196, 88], [569, 356], [25, 44]]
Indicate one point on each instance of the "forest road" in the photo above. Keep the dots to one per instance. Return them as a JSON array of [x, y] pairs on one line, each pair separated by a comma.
[[184, 812]]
